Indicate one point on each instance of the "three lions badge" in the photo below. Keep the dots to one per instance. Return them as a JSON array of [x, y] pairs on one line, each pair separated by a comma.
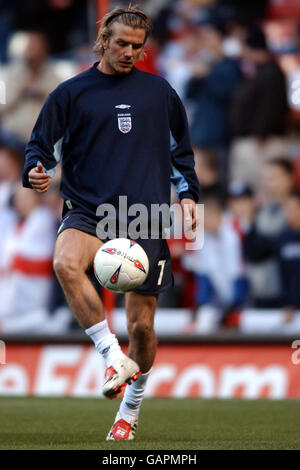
[[124, 119], [124, 123]]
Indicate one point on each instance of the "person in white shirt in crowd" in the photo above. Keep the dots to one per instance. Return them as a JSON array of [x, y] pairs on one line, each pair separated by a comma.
[[11, 164], [28, 246]]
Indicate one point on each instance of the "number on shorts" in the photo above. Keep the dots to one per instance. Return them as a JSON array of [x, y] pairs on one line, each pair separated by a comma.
[[161, 263]]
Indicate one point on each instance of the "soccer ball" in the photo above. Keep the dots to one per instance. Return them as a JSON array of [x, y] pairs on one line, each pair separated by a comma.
[[121, 265]]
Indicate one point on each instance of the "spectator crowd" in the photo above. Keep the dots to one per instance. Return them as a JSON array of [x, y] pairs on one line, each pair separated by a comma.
[[237, 71]]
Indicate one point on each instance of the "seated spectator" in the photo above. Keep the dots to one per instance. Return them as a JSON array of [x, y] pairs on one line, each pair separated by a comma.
[[277, 182], [11, 163], [28, 83], [286, 247], [268, 219], [8, 224], [218, 265], [208, 172], [258, 111], [242, 206]]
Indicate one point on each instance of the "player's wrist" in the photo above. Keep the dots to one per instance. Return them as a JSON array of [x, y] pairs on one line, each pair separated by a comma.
[[25, 179], [186, 195]]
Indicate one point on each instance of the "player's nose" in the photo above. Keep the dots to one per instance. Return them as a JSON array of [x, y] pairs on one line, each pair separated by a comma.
[[128, 51]]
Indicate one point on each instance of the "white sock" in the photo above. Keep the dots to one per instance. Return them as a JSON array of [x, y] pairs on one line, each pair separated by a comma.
[[105, 342], [133, 397]]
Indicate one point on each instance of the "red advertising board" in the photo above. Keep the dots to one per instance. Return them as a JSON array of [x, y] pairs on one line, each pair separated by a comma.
[[222, 371]]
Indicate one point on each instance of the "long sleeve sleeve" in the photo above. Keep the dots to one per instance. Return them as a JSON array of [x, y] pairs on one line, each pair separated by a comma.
[[182, 157], [47, 135]]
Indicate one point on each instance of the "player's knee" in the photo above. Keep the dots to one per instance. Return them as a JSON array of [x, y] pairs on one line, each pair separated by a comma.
[[140, 328], [65, 269]]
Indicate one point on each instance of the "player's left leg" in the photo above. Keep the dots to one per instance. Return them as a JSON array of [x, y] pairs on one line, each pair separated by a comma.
[[140, 311]]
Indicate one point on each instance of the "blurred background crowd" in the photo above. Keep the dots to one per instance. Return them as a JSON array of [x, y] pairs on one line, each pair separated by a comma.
[[236, 67]]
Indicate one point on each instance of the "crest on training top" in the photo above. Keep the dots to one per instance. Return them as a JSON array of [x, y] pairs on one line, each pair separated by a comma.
[[124, 122]]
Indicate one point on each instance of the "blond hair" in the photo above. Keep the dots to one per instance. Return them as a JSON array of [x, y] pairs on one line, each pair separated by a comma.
[[131, 16]]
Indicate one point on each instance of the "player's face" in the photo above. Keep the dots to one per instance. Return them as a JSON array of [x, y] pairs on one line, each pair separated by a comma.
[[122, 49]]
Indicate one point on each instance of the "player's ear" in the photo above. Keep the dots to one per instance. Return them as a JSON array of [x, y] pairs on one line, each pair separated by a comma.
[[142, 55], [104, 42]]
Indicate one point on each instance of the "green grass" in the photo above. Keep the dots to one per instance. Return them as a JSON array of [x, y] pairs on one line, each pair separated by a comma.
[[82, 423]]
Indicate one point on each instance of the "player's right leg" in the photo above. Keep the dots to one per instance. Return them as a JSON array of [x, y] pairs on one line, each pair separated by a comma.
[[73, 258]]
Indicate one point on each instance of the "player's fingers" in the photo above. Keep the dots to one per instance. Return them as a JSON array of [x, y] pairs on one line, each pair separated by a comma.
[[39, 190], [196, 216], [196, 219], [193, 222], [43, 186], [40, 186], [194, 225], [197, 222], [37, 172], [188, 214], [188, 222], [33, 180], [39, 176]]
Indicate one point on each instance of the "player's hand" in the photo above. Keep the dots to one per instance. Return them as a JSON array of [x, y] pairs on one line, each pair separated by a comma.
[[39, 180], [190, 214]]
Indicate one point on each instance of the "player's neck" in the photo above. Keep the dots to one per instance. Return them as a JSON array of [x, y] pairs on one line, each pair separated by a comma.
[[104, 67]]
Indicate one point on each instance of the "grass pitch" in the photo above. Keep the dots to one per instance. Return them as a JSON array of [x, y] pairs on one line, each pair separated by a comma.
[[178, 424]]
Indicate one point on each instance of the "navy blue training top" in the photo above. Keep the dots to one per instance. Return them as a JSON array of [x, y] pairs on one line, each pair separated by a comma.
[[114, 135]]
